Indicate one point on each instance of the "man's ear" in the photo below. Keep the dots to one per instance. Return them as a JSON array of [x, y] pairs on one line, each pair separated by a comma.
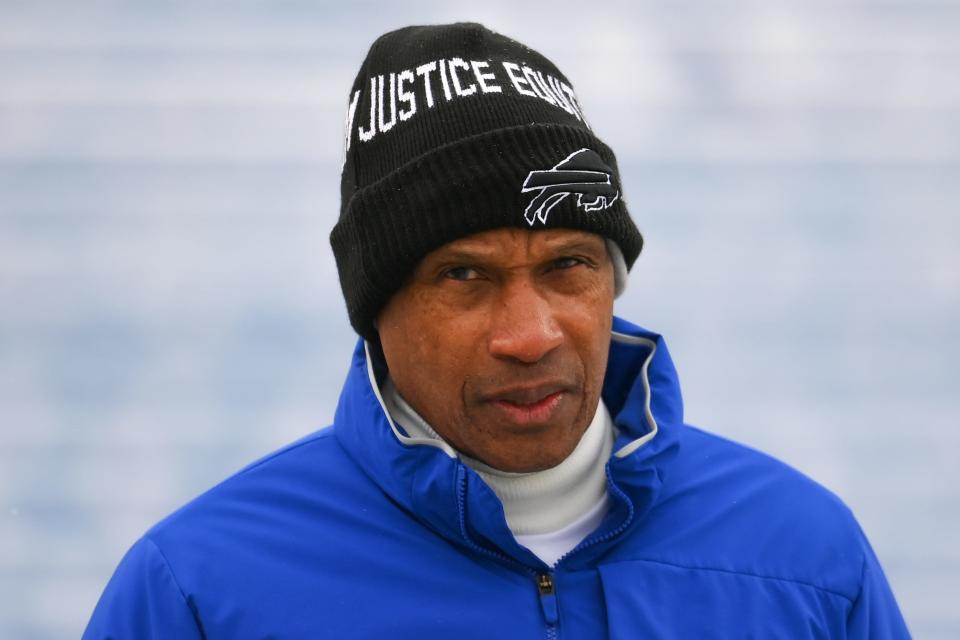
[[620, 275], [377, 358]]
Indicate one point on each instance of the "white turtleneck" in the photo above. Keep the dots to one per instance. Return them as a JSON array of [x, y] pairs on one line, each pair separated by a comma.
[[550, 511]]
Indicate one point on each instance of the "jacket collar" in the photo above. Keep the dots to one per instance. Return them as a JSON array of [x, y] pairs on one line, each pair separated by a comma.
[[426, 478]]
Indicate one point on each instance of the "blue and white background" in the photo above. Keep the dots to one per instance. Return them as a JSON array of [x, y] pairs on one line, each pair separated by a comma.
[[169, 307]]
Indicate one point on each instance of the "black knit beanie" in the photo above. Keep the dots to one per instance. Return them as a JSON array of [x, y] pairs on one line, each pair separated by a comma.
[[453, 130]]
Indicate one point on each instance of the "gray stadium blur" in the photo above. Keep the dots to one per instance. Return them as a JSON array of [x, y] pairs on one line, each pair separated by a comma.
[[169, 307]]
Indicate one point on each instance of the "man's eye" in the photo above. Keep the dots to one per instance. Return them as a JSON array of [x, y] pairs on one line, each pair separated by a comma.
[[461, 273], [566, 262]]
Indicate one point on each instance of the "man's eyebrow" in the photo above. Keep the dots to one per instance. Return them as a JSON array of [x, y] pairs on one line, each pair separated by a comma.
[[465, 254], [480, 253], [573, 246]]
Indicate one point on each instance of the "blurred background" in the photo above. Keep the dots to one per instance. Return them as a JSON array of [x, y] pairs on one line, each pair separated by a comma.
[[170, 310]]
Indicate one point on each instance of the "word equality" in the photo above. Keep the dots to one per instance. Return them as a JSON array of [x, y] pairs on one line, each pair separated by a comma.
[[397, 97]]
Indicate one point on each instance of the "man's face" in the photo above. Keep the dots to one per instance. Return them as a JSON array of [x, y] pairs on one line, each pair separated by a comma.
[[499, 340]]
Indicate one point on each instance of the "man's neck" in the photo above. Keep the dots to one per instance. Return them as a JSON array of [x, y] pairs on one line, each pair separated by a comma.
[[539, 502]]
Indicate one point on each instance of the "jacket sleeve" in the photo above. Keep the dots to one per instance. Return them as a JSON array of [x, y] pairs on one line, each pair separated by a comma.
[[875, 614], [143, 601]]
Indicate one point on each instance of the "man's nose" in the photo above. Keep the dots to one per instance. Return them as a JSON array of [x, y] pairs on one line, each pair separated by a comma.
[[524, 326]]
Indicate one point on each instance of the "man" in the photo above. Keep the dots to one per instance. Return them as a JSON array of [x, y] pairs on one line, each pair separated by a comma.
[[507, 460]]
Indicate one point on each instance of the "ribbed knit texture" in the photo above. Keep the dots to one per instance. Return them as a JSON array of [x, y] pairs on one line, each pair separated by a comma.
[[539, 502], [553, 545], [416, 177]]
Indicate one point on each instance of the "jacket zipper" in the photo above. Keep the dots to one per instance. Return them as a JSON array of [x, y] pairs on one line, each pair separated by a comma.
[[548, 601], [544, 581], [589, 542]]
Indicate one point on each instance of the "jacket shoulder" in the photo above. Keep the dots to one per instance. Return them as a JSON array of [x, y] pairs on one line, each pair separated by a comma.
[[267, 552], [733, 508], [303, 472]]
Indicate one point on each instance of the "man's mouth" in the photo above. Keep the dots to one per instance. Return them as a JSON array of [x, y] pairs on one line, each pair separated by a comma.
[[536, 412], [531, 405]]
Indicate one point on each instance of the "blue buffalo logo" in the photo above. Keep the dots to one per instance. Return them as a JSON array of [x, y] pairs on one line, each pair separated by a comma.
[[582, 173]]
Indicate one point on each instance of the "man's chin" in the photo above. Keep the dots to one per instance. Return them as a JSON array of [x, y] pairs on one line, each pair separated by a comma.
[[528, 461], [527, 447]]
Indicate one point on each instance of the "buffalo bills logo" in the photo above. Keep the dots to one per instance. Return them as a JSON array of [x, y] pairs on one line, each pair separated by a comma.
[[582, 173]]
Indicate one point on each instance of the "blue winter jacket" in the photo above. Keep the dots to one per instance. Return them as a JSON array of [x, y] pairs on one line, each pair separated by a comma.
[[353, 533]]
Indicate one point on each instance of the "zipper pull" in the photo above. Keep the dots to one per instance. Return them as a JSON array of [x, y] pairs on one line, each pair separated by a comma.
[[548, 598]]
